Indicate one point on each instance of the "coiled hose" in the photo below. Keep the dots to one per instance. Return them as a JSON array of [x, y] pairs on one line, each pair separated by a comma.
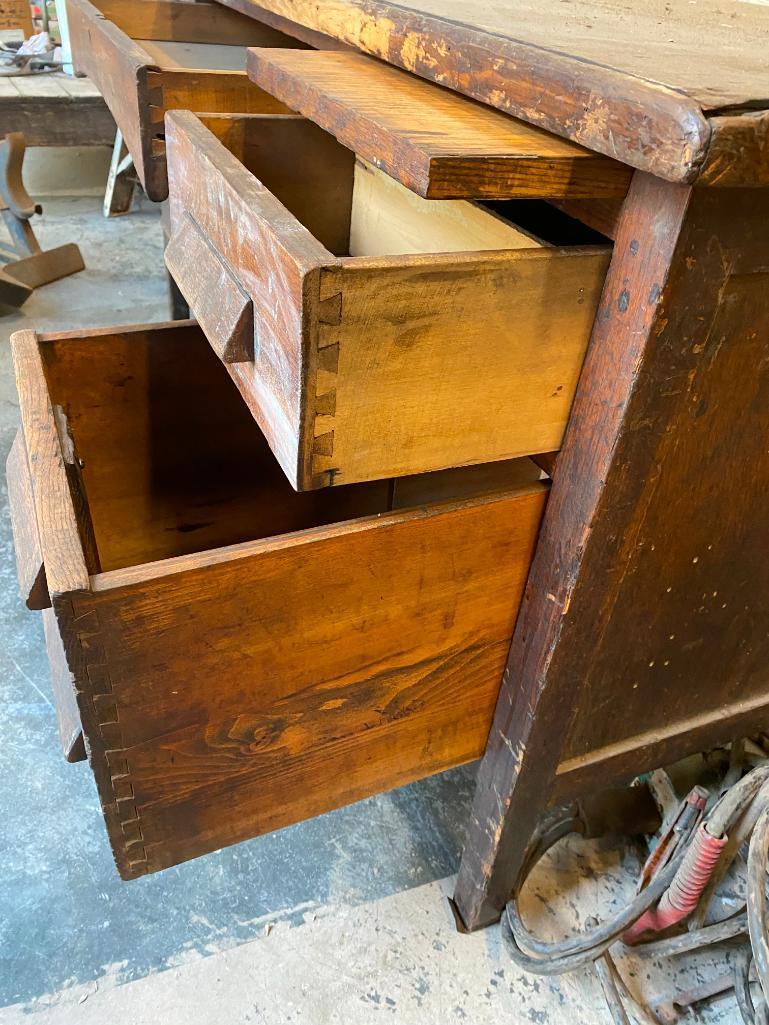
[[681, 886]]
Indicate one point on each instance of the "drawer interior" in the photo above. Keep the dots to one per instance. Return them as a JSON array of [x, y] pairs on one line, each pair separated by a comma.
[[363, 212], [172, 462], [171, 55], [201, 36]]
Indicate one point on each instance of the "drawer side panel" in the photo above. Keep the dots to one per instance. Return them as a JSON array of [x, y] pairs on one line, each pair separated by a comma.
[[446, 360], [271, 255]]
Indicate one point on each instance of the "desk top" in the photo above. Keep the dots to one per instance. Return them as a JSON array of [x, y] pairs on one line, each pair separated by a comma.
[[676, 87]]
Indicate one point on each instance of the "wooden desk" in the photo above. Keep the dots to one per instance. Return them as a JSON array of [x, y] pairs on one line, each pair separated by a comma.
[[643, 633]]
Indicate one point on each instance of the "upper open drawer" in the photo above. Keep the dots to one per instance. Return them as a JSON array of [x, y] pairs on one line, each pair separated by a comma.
[[149, 56], [372, 333]]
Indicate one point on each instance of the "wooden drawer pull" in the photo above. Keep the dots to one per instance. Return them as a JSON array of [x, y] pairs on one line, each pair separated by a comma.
[[223, 309]]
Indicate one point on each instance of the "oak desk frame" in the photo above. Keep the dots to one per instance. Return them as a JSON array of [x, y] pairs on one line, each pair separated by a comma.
[[643, 634]]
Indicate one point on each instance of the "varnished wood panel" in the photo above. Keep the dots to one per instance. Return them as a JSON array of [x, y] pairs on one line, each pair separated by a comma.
[[164, 477], [635, 82], [439, 392], [433, 141]]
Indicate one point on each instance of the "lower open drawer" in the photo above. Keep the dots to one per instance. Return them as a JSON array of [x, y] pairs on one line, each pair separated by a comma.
[[245, 656]]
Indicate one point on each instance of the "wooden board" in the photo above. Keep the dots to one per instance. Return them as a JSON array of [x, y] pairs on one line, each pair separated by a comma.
[[492, 369], [201, 56], [435, 142], [179, 21], [388, 220], [63, 687], [30, 569], [636, 83], [330, 686], [55, 110]]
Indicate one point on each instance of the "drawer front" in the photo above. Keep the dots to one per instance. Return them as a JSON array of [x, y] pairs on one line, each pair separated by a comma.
[[141, 80], [228, 696], [391, 361], [230, 691]]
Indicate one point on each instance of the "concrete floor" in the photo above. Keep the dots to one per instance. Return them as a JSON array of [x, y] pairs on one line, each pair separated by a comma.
[[340, 919]]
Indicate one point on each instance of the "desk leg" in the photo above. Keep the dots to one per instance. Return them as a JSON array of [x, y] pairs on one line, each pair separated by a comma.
[[643, 632]]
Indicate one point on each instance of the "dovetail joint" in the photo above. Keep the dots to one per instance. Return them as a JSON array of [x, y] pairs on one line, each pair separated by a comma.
[[121, 810], [329, 319]]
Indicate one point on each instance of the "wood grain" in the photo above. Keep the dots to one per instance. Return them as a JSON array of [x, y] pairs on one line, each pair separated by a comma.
[[433, 141], [330, 686], [180, 21], [407, 399], [63, 687], [57, 524], [30, 568], [165, 478], [224, 309], [642, 636]]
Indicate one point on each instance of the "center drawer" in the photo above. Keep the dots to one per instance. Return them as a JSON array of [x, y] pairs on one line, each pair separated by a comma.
[[244, 656], [372, 333], [149, 56]]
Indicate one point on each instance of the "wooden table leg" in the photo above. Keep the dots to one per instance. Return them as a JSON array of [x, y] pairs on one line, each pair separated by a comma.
[[644, 630]]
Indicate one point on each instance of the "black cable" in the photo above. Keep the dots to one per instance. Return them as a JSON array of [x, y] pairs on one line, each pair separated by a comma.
[[555, 957], [742, 986]]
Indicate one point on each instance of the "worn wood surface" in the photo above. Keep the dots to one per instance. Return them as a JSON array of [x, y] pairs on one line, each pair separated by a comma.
[[30, 568], [57, 525], [636, 83], [433, 141], [108, 45], [63, 687], [352, 376], [642, 637], [224, 309], [358, 680]]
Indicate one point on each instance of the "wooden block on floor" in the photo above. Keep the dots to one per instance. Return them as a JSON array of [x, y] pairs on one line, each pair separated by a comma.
[[437, 143]]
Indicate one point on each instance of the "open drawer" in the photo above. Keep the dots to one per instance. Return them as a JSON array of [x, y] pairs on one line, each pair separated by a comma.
[[149, 56], [372, 333], [245, 657]]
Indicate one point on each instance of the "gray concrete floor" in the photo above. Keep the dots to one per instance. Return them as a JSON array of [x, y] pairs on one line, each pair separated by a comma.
[[339, 919]]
